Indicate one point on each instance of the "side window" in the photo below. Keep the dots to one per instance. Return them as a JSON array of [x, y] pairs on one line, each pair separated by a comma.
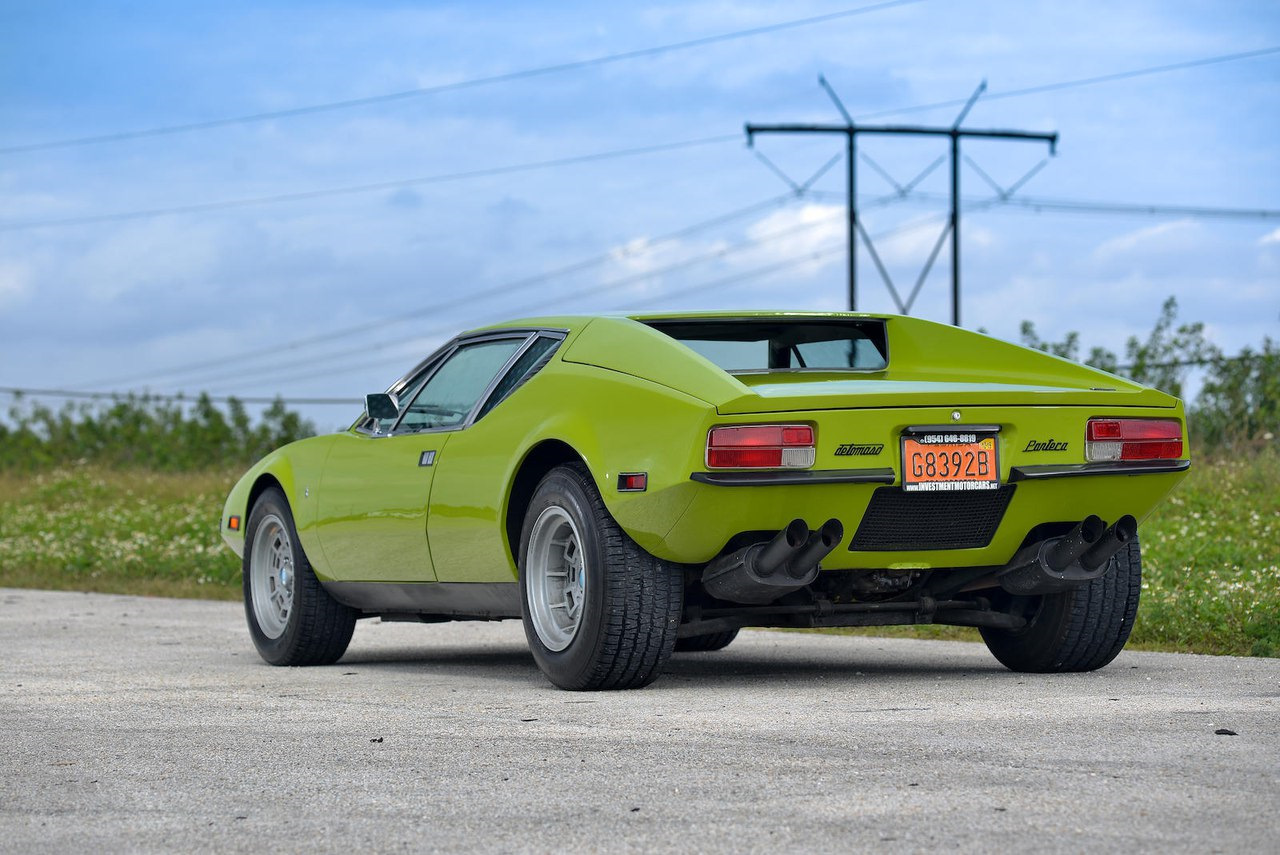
[[538, 354], [453, 390]]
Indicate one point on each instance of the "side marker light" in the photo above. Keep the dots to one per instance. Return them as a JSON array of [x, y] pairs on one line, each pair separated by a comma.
[[633, 482]]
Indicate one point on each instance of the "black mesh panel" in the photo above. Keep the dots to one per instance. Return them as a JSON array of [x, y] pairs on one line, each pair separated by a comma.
[[897, 520]]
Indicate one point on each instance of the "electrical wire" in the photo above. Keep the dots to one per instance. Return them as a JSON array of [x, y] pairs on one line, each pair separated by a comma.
[[544, 308], [205, 207], [228, 204], [177, 398], [625, 250], [1085, 206], [1078, 82], [540, 307], [471, 83], [347, 402]]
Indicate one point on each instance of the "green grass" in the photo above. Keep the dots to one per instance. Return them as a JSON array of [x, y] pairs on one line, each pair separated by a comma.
[[87, 528], [1211, 552]]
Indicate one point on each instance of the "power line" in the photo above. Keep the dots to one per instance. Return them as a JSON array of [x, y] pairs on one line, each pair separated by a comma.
[[623, 251], [1081, 81], [576, 295], [204, 207], [833, 249], [1087, 206], [177, 398], [453, 87], [540, 307]]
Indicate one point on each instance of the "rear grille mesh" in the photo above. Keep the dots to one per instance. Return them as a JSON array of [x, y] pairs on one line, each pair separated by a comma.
[[897, 520]]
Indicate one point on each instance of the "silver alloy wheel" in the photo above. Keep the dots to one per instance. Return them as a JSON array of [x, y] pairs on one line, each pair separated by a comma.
[[555, 578], [271, 576]]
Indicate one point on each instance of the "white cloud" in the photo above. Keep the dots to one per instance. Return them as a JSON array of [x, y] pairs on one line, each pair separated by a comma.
[[1169, 235], [15, 282], [1273, 237]]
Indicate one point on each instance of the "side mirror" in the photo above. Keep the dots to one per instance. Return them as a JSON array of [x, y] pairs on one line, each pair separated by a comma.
[[381, 405]]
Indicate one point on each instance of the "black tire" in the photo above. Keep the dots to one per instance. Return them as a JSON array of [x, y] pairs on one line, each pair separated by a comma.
[[708, 642], [315, 629], [1080, 630], [630, 601]]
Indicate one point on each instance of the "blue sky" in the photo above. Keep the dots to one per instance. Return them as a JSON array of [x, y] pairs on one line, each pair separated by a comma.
[[121, 303]]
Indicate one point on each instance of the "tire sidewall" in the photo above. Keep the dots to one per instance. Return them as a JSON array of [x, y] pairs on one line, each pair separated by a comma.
[[274, 650], [567, 668]]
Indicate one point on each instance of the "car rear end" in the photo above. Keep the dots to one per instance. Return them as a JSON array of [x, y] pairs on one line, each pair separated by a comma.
[[962, 479]]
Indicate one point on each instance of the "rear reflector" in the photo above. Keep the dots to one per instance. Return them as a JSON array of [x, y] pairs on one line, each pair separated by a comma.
[[760, 447], [1133, 439]]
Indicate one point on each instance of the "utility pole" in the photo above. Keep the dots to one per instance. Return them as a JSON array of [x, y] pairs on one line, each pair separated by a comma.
[[955, 132]]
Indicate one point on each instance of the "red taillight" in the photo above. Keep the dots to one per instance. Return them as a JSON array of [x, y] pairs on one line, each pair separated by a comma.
[[1133, 439], [760, 447]]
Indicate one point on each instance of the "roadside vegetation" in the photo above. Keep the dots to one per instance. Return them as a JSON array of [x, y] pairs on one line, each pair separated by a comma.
[[125, 498]]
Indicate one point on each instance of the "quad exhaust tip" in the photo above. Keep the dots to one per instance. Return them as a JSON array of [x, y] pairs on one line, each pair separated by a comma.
[[763, 572], [1070, 561]]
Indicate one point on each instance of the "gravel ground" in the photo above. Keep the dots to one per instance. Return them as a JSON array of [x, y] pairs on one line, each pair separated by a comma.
[[149, 725]]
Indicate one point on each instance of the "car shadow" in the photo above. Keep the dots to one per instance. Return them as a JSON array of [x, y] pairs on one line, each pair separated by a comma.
[[515, 664]]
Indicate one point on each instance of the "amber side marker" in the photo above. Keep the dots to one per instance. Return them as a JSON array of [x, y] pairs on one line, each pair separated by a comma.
[[233, 523]]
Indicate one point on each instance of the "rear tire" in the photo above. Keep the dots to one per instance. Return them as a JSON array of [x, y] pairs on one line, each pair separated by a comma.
[[1080, 630], [292, 618], [599, 611], [710, 641]]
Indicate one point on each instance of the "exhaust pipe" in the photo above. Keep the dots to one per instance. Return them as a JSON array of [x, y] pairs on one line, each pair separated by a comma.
[[817, 547], [1116, 538], [1066, 549], [763, 572], [776, 552], [1068, 562]]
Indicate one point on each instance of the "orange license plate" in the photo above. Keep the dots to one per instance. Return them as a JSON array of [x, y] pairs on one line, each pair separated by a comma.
[[949, 461]]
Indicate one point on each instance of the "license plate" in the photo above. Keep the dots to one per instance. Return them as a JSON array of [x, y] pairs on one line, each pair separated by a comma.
[[949, 461]]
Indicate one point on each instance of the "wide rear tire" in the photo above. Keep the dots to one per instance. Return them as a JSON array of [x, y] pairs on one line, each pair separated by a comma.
[[1080, 630], [292, 618], [599, 611]]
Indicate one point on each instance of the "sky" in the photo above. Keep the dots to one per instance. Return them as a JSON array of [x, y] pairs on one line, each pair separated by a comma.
[[142, 262]]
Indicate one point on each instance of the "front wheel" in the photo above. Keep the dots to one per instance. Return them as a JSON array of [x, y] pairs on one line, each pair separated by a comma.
[[599, 611], [292, 619], [1080, 630]]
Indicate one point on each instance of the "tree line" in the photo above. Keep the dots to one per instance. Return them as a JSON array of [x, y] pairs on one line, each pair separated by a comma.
[[1237, 407]]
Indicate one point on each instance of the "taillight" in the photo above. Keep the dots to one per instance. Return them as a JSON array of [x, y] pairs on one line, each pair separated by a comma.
[[760, 447], [1133, 439]]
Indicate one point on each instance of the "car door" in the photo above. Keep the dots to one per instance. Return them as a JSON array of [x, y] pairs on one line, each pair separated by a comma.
[[377, 482]]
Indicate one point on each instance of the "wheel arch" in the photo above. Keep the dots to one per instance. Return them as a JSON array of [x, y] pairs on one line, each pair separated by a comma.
[[541, 459], [260, 485]]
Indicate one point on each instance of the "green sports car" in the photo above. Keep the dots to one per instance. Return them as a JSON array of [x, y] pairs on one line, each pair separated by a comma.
[[632, 486]]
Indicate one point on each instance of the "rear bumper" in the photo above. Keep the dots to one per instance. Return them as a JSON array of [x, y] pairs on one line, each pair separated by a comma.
[[718, 513]]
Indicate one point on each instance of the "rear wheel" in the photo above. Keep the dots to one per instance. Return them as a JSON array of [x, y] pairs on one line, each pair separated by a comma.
[[710, 641], [292, 619], [1080, 630], [599, 611]]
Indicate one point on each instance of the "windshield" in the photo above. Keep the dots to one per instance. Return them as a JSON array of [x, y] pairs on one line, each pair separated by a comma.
[[781, 345]]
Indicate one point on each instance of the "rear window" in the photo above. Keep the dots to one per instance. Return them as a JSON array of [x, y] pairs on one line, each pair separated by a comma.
[[773, 345]]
